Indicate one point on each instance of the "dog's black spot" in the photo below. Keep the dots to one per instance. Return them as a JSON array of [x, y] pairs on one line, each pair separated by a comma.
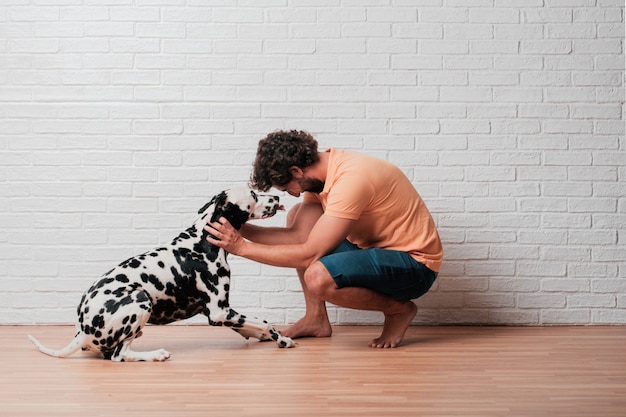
[[223, 272], [113, 305], [142, 297], [120, 292], [131, 263], [118, 349], [97, 321], [101, 283], [154, 280]]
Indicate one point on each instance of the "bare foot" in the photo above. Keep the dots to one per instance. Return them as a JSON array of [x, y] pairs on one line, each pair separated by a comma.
[[395, 326], [306, 327]]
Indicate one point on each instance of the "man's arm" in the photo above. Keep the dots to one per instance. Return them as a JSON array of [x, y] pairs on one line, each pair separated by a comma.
[[325, 236], [298, 231]]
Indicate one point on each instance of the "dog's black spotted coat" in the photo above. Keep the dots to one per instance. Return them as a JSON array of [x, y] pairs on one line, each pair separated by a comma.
[[173, 282]]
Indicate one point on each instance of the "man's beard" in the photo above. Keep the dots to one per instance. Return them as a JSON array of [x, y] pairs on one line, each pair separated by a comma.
[[311, 185]]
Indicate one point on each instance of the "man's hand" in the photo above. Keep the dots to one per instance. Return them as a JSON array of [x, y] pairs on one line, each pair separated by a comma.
[[226, 236]]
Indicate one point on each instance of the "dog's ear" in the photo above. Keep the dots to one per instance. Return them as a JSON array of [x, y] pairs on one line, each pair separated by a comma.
[[221, 197], [220, 202], [235, 216]]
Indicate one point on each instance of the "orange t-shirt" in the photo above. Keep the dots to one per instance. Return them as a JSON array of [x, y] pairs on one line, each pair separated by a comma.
[[389, 212]]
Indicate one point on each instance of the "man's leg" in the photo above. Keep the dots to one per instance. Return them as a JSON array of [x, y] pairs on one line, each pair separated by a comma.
[[398, 314], [315, 322]]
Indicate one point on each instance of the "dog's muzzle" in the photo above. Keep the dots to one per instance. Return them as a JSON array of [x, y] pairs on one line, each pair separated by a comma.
[[270, 211]]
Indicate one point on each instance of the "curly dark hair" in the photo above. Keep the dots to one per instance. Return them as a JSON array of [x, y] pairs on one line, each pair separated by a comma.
[[277, 153]]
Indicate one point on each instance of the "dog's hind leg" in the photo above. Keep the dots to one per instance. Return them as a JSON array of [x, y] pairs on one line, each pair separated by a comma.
[[123, 353], [125, 325]]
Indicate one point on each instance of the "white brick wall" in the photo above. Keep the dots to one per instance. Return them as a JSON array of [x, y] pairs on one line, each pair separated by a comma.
[[119, 118]]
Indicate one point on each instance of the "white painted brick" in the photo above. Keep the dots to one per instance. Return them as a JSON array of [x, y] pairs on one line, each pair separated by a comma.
[[468, 31], [461, 158], [577, 189], [505, 47], [607, 316], [546, 47], [565, 316], [609, 127], [437, 47], [576, 62], [502, 316], [417, 31], [547, 301]]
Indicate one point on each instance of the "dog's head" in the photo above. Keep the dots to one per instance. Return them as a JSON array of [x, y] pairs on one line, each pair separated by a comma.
[[240, 204]]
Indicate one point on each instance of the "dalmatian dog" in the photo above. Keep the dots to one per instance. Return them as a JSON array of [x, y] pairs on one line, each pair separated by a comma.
[[173, 282]]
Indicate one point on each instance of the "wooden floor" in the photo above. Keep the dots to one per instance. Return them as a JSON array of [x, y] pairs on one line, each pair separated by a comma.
[[438, 371]]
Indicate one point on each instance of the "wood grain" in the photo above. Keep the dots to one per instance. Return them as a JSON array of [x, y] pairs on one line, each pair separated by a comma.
[[438, 371]]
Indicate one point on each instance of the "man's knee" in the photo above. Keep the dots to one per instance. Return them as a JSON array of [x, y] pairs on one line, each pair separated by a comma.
[[318, 280]]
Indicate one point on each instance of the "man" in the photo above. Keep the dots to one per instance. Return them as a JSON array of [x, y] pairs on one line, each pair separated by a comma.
[[362, 237]]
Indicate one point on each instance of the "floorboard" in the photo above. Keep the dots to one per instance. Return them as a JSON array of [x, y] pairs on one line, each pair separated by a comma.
[[437, 371]]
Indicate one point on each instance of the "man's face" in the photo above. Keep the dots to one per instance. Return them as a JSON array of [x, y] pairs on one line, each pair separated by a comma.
[[299, 185], [312, 185]]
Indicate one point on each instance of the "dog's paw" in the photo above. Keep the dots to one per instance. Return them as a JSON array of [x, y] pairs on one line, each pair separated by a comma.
[[285, 342], [161, 355]]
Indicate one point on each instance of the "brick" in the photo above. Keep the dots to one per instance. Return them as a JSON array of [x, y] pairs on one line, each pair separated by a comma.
[[565, 316], [447, 47], [512, 317], [541, 301], [458, 31], [469, 94], [546, 47], [576, 189], [517, 95]]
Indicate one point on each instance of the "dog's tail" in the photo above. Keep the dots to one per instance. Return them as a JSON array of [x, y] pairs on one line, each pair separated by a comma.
[[68, 350]]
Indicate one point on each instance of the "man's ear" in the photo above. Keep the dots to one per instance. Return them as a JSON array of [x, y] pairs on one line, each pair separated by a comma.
[[296, 172]]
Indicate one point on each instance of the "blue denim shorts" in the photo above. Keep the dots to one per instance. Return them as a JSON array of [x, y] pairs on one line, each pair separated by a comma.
[[390, 272]]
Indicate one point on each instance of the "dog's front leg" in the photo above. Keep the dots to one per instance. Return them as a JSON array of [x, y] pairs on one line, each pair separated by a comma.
[[249, 327], [257, 334]]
